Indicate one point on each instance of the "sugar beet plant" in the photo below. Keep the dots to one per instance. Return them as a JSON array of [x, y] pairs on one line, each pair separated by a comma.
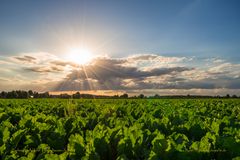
[[120, 129]]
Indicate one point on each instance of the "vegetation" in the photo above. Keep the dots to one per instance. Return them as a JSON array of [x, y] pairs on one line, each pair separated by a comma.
[[19, 94], [120, 129]]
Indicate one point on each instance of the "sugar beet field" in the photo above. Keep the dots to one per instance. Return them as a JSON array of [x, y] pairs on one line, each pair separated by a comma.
[[155, 129]]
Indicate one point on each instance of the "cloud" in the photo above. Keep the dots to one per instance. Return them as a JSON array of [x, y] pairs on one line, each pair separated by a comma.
[[154, 57], [63, 63], [44, 69], [3, 79], [32, 58], [4, 62], [149, 61], [213, 92], [108, 73], [225, 68], [25, 58], [40, 63], [136, 72], [215, 60]]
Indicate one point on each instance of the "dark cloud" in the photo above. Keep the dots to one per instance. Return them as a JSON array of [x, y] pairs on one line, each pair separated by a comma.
[[107, 73], [44, 69], [104, 69], [25, 58], [112, 74], [56, 69], [208, 83], [184, 84]]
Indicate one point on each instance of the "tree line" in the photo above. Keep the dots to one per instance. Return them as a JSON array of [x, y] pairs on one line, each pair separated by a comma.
[[20, 94]]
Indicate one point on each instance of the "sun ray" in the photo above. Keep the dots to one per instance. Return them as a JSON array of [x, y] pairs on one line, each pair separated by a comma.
[[97, 77], [85, 72], [109, 69]]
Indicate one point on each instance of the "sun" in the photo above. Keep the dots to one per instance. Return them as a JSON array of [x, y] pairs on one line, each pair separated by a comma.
[[80, 56]]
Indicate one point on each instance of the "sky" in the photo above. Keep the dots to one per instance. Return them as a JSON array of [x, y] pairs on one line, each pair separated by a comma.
[[137, 46]]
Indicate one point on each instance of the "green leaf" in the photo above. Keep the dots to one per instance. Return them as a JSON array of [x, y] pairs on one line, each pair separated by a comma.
[[6, 135], [17, 136], [51, 156], [76, 146], [160, 144]]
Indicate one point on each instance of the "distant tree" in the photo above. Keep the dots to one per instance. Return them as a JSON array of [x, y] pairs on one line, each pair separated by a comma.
[[25, 94], [116, 96], [234, 96], [22, 94], [4, 94], [43, 95], [12, 94], [141, 96], [35, 95], [19, 94], [46, 95], [30, 92], [227, 96], [77, 95], [65, 96], [87, 96], [156, 96], [125, 95]]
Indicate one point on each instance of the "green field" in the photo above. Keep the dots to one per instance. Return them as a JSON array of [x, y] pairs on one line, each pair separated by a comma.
[[120, 129]]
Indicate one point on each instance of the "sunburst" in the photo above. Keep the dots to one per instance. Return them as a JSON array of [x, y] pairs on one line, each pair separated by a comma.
[[80, 56]]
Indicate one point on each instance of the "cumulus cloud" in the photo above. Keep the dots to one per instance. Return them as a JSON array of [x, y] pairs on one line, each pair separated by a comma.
[[105, 73], [109, 73], [149, 61], [40, 63], [225, 68], [136, 72]]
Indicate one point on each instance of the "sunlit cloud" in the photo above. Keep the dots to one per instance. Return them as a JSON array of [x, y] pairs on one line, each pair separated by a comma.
[[48, 72], [149, 61], [25, 58]]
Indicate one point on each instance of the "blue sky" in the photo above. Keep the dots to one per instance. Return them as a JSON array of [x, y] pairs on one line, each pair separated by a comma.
[[195, 29], [187, 27]]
